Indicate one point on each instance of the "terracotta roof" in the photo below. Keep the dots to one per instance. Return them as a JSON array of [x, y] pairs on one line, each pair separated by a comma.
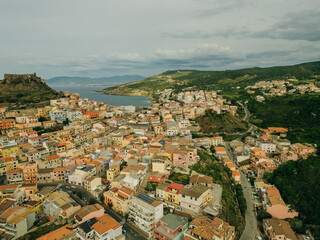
[[10, 211], [61, 169], [105, 223], [280, 227], [236, 173], [58, 234], [52, 157], [272, 191], [207, 228], [18, 170], [194, 179]]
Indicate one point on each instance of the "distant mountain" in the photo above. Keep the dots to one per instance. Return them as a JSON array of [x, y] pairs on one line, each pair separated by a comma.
[[231, 82], [86, 81], [24, 88]]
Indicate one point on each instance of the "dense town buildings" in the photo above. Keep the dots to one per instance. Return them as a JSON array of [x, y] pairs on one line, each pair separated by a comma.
[[114, 154]]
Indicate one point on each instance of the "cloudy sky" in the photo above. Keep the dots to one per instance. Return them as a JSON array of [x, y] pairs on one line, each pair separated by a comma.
[[98, 38]]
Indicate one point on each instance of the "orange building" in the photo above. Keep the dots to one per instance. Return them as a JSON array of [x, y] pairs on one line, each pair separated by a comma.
[[29, 172], [93, 114], [58, 174], [7, 124]]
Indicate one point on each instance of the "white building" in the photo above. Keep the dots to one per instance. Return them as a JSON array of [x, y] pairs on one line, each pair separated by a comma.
[[74, 115], [145, 211], [267, 147], [58, 115]]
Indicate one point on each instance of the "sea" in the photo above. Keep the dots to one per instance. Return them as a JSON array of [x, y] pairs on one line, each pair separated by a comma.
[[115, 100]]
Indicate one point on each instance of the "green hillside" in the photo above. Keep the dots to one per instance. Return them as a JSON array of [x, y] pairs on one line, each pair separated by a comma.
[[227, 81], [299, 113], [298, 182], [212, 122], [25, 88]]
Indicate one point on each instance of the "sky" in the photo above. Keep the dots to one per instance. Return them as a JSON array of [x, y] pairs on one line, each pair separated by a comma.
[[98, 38]]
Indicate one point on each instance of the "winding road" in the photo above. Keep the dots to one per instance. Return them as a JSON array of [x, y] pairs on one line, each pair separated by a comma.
[[250, 229]]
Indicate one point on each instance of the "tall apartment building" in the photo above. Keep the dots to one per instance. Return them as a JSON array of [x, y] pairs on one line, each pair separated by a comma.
[[145, 211]]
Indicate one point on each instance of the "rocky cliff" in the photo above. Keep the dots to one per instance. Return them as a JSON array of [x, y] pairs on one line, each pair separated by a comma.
[[24, 88]]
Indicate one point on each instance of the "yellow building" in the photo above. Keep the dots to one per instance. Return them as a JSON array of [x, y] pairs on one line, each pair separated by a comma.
[[168, 153], [34, 206], [113, 172], [8, 151], [3, 167], [117, 139], [11, 164], [43, 112], [172, 192]]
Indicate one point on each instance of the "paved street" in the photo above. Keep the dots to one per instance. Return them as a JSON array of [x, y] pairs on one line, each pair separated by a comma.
[[251, 221]]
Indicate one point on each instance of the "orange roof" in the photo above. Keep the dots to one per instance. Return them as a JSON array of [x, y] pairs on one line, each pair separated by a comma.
[[105, 223], [52, 157], [220, 149], [266, 130], [273, 191], [69, 167], [278, 129], [10, 211], [176, 186], [235, 173], [126, 190], [216, 138], [59, 169], [18, 170], [58, 234], [230, 165], [50, 121]]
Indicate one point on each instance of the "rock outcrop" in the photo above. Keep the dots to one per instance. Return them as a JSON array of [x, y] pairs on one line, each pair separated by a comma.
[[25, 88]]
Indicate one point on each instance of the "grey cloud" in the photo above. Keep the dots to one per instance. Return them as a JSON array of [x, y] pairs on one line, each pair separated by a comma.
[[295, 26]]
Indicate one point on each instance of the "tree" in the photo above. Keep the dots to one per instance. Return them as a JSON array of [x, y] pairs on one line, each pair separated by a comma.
[[92, 201], [42, 119], [212, 149], [79, 194], [203, 147], [66, 122], [101, 197], [123, 165], [110, 204]]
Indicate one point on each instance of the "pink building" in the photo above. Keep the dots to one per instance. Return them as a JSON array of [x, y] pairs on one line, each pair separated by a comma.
[[88, 212], [288, 155], [276, 207], [184, 156]]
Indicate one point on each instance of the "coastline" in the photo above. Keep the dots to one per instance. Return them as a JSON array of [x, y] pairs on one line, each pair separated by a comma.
[[151, 99]]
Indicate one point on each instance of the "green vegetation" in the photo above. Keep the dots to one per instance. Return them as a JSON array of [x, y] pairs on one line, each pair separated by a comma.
[[262, 214], [231, 82], [151, 186], [25, 88], [41, 130], [298, 182], [40, 232], [211, 122], [299, 113], [245, 162], [179, 177], [233, 201]]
